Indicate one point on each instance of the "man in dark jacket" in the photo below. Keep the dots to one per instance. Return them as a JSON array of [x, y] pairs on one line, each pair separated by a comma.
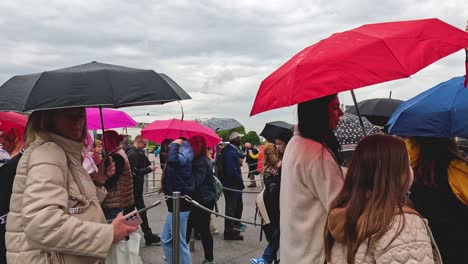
[[140, 166], [232, 178]]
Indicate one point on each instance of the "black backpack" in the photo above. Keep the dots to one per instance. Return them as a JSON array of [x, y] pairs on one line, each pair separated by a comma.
[[219, 166]]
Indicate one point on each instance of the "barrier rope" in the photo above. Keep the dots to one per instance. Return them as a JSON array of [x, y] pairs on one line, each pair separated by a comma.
[[240, 191], [142, 210], [195, 203]]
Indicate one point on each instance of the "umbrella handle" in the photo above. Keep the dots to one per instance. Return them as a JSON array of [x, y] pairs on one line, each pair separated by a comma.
[[358, 113]]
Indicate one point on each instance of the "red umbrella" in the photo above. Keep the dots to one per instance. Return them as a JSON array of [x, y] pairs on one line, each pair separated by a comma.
[[175, 128], [363, 56], [12, 120]]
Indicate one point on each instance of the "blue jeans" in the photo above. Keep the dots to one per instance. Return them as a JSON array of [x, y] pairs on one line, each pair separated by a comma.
[[166, 239], [269, 254]]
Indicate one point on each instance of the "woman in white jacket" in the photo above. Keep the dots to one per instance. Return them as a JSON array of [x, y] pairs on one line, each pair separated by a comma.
[[311, 179], [370, 220]]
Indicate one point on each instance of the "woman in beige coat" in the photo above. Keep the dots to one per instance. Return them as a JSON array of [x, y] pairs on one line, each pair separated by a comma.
[[55, 213], [370, 220]]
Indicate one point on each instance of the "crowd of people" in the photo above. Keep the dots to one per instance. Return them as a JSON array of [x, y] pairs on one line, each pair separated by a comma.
[[398, 200]]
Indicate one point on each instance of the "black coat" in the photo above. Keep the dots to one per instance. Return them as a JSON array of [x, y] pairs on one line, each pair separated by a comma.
[[447, 217], [139, 165], [7, 177]]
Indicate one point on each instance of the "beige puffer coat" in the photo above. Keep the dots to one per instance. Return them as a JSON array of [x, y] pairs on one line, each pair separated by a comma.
[[414, 244], [55, 213]]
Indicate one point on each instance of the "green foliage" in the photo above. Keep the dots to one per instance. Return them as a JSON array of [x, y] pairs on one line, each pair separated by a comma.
[[251, 137]]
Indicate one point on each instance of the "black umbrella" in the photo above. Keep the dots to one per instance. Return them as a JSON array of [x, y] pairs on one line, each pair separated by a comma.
[[91, 84], [377, 110], [349, 130], [272, 130]]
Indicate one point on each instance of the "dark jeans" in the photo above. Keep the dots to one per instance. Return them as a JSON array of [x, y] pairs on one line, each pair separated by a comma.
[[2, 244], [200, 220], [140, 204], [272, 236], [234, 207]]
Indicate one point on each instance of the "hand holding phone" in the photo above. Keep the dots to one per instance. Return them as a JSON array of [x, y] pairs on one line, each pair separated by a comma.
[[133, 218]]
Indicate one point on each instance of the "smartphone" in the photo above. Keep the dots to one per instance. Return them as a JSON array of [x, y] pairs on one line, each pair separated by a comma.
[[133, 218]]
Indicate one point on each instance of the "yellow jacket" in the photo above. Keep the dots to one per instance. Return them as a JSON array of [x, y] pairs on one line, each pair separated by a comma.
[[457, 172]]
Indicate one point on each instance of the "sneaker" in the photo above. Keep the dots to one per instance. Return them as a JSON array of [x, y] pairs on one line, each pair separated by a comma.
[[214, 231], [252, 185], [165, 259], [243, 227], [207, 262], [258, 261], [151, 239], [240, 228]]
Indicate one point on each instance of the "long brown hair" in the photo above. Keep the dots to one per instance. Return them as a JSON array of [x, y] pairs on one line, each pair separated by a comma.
[[373, 192], [435, 155]]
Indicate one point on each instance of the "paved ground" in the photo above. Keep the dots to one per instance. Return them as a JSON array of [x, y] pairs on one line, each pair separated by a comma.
[[224, 251]]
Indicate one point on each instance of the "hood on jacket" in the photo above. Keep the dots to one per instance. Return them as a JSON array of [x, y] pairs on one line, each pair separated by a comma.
[[337, 220]]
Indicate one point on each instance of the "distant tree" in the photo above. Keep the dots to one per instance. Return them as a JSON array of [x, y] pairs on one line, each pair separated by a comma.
[[224, 134], [251, 137]]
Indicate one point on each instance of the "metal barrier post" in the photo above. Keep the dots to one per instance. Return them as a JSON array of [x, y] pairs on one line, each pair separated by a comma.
[[154, 175], [175, 227]]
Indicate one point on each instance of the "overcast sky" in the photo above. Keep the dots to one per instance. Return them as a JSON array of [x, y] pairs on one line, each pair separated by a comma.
[[218, 51]]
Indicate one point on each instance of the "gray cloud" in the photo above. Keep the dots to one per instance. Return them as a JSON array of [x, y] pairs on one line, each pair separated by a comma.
[[218, 51]]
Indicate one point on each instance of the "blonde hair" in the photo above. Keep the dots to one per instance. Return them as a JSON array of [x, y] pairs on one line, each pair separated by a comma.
[[41, 123]]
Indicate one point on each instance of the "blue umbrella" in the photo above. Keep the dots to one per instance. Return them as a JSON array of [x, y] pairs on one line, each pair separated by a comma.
[[441, 111]]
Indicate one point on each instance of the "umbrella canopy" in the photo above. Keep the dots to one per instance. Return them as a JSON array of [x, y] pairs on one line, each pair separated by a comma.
[[176, 128], [349, 130], [220, 124], [12, 120], [441, 111], [112, 119], [91, 84], [363, 56], [377, 110], [272, 130]]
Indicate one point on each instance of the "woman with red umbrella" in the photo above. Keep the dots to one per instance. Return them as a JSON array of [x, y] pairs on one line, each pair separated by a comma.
[[311, 179]]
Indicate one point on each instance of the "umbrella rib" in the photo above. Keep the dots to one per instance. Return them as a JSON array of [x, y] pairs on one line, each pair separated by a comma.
[[30, 93]]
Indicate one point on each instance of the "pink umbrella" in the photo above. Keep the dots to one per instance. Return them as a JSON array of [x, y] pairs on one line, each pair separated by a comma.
[[175, 128], [112, 119]]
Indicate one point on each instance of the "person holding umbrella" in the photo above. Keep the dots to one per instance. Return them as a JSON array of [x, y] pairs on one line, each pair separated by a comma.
[[55, 206], [177, 177], [311, 179]]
